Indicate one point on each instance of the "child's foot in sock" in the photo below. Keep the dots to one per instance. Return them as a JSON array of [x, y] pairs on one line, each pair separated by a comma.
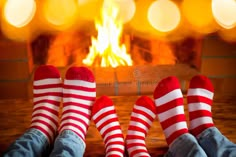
[[79, 93], [199, 97], [169, 102], [106, 121], [143, 114], [47, 97]]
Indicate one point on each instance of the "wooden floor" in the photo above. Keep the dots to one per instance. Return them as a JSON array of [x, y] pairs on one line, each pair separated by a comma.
[[15, 118]]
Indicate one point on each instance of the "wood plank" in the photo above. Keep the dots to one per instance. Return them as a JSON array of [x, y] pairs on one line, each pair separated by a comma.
[[13, 51], [14, 89], [229, 86], [224, 86], [221, 67], [15, 70], [16, 117], [214, 46], [218, 84]]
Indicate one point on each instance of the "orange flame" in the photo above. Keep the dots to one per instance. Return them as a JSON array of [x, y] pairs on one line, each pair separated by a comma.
[[106, 50]]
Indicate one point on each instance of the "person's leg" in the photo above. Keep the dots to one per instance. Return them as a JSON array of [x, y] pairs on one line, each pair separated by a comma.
[[200, 99], [47, 97], [169, 104], [106, 120], [142, 116], [79, 93], [185, 145], [32, 143], [68, 144]]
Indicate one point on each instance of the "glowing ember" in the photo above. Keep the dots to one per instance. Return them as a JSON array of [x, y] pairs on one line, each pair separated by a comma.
[[106, 50]]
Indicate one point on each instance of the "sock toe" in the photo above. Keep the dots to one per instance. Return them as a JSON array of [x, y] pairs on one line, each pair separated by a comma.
[[100, 103], [201, 81], [168, 84], [46, 71], [145, 101], [80, 73]]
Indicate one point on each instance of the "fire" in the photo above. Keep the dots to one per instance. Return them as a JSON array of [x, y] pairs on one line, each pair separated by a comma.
[[106, 50]]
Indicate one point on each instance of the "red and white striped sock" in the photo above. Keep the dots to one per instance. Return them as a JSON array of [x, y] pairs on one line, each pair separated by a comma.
[[169, 102], [47, 97], [79, 94], [106, 121], [142, 117], [199, 97]]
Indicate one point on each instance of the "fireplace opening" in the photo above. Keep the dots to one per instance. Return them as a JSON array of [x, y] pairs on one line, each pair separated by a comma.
[[71, 48], [152, 60]]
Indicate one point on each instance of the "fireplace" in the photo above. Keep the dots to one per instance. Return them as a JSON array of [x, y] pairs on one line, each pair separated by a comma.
[[120, 58], [70, 48], [212, 57], [152, 60]]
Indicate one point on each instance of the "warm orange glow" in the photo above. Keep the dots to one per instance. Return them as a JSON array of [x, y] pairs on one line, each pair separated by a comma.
[[81, 2], [224, 12], [106, 50], [60, 12], [164, 15], [229, 35], [19, 12], [1, 4], [67, 49], [140, 22], [126, 10], [88, 9], [199, 15]]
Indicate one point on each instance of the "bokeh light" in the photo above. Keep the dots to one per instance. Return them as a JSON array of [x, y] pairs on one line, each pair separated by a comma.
[[162, 19], [89, 9], [82, 2], [224, 13], [126, 9], [164, 15], [199, 15], [19, 12], [60, 12], [139, 22]]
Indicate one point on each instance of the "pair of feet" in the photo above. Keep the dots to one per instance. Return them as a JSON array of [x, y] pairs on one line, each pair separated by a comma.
[[168, 106], [79, 93]]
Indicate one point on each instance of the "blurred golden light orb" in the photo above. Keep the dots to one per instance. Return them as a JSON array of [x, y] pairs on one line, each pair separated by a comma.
[[200, 21], [60, 12], [126, 9], [164, 15], [224, 13], [19, 13]]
